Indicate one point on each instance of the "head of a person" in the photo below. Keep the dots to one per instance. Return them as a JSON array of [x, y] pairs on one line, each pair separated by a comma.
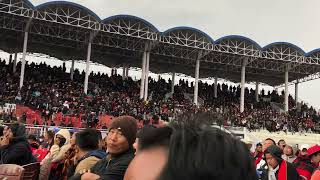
[[87, 140], [185, 151], [63, 137], [314, 154], [151, 154], [282, 144], [15, 131], [304, 150], [290, 150], [273, 155], [73, 139], [48, 136], [32, 140], [259, 148], [267, 143], [121, 135], [140, 133]]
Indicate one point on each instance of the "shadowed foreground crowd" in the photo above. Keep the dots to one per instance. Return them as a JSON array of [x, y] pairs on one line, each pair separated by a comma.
[[188, 148]]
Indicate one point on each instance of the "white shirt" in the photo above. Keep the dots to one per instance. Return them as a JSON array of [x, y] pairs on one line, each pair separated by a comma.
[[272, 173]]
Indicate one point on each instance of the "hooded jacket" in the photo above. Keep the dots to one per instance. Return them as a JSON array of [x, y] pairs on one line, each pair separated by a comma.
[[293, 157], [58, 153], [289, 170], [18, 151]]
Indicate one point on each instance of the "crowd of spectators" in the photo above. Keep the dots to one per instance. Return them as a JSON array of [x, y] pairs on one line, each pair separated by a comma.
[[61, 101]]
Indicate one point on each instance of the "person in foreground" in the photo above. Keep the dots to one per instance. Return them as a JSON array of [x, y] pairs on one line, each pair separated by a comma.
[[278, 169], [88, 152], [14, 147], [121, 136], [190, 150]]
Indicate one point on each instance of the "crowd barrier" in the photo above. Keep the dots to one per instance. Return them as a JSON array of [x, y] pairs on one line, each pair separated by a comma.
[[39, 130]]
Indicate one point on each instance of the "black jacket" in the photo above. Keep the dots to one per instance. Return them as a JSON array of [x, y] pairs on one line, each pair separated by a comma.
[[113, 169], [292, 173], [17, 152]]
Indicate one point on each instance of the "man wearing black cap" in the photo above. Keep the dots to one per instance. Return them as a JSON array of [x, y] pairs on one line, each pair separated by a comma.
[[120, 139], [278, 169]]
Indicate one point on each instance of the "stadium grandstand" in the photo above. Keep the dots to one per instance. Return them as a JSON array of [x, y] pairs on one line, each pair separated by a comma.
[[46, 98]]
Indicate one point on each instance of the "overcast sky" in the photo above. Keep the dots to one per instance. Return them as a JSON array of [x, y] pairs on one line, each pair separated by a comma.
[[264, 21]]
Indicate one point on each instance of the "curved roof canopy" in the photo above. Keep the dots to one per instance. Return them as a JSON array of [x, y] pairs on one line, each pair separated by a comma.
[[189, 33]]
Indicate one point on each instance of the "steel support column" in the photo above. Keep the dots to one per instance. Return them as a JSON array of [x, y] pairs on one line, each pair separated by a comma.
[[86, 79], [257, 91], [196, 82], [72, 69], [23, 63], [172, 83], [143, 74], [243, 80], [127, 72], [296, 92], [123, 72], [286, 91], [215, 87], [15, 62], [146, 84]]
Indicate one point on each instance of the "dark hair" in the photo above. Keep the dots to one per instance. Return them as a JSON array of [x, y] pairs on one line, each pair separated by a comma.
[[50, 134], [281, 140], [87, 140], [259, 144], [269, 139], [99, 135], [152, 137], [198, 151], [32, 137], [1, 130]]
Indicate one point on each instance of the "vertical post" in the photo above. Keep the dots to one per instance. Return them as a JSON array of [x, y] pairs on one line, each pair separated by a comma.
[[127, 72], [72, 70], [143, 74], [123, 72], [215, 86], [10, 58], [172, 83], [146, 84], [159, 77], [23, 63], [286, 91], [195, 96], [243, 80], [257, 91], [86, 79], [15, 62], [297, 92]]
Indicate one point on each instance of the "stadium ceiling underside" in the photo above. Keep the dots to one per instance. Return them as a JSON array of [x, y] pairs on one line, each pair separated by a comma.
[[62, 29]]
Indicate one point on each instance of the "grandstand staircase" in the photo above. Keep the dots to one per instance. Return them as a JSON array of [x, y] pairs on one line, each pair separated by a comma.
[[189, 97], [277, 107]]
